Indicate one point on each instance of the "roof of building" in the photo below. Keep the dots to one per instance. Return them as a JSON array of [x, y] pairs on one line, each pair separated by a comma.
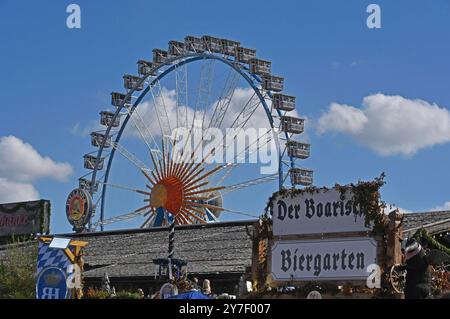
[[434, 222], [223, 247]]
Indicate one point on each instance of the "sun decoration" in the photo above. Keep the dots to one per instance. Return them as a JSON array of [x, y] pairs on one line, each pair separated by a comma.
[[178, 186]]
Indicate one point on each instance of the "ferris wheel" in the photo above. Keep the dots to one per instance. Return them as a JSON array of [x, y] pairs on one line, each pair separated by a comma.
[[194, 86]]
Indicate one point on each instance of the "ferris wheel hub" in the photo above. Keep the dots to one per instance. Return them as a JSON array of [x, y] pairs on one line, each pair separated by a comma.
[[168, 194]]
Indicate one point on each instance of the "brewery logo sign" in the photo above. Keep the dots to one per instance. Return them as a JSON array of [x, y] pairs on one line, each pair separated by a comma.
[[79, 208], [51, 283]]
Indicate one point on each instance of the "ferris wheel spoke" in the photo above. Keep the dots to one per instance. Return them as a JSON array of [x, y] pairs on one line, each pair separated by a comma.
[[130, 156], [125, 188], [202, 205], [184, 217], [189, 188], [225, 99], [142, 128], [149, 221], [241, 120], [123, 217], [198, 211], [151, 180], [170, 144], [160, 108], [226, 173], [235, 122], [229, 167], [239, 157], [189, 174], [189, 163], [245, 184], [192, 181], [236, 212], [203, 191], [247, 112], [191, 215], [179, 220], [156, 173], [204, 89], [181, 85]]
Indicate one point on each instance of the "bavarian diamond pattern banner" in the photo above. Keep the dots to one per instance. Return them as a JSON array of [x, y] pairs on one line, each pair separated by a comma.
[[53, 258]]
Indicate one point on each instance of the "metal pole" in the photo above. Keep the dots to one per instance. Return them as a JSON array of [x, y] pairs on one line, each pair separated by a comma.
[[171, 245], [172, 239]]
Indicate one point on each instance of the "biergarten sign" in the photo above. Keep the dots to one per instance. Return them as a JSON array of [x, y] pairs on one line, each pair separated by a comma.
[[319, 211], [327, 234], [328, 259], [25, 218]]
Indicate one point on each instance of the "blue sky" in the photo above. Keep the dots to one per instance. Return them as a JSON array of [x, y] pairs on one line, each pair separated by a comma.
[[53, 78]]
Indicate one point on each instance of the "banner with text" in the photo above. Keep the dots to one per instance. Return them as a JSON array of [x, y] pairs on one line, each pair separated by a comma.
[[25, 218]]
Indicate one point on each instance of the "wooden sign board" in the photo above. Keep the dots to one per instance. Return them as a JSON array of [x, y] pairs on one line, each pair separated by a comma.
[[25, 218], [344, 259], [318, 212]]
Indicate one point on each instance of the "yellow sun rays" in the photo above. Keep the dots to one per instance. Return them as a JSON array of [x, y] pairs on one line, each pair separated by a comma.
[[179, 185]]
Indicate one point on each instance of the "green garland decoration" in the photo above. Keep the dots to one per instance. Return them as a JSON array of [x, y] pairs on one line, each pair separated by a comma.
[[366, 194], [42, 205], [45, 219], [422, 235], [26, 205]]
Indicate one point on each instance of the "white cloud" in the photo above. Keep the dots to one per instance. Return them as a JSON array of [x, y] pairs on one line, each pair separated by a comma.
[[16, 192], [338, 65], [93, 126], [241, 96], [168, 115], [355, 64], [446, 206], [342, 118], [20, 162], [391, 207], [390, 125]]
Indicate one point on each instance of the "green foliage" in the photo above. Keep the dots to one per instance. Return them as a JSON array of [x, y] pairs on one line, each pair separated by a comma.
[[422, 236], [93, 293], [367, 196], [17, 271], [127, 295]]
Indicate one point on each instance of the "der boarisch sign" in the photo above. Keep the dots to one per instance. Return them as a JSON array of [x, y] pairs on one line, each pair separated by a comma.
[[321, 211]]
